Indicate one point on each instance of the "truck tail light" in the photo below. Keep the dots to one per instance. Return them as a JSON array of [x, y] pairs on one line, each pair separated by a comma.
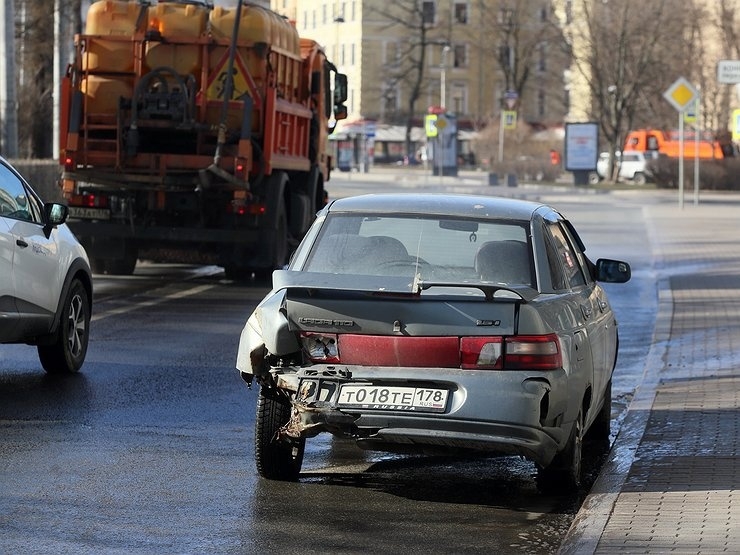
[[89, 200]]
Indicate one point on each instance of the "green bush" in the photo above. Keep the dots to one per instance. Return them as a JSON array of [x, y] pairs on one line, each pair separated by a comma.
[[714, 175]]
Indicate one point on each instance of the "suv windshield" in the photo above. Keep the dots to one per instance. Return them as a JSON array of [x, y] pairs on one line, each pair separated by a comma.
[[435, 248]]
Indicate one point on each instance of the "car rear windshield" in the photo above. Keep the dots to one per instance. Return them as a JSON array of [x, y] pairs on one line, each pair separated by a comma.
[[436, 248]]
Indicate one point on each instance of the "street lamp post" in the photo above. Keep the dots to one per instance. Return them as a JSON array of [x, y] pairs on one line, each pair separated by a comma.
[[443, 77], [442, 102]]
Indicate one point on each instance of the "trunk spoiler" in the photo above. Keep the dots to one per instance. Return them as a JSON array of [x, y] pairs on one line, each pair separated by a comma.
[[288, 279]]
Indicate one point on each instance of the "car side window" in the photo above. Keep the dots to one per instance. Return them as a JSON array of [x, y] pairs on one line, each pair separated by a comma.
[[566, 257], [15, 201]]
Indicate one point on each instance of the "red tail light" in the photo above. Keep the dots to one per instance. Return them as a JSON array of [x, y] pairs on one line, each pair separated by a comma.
[[533, 352], [481, 353], [524, 352]]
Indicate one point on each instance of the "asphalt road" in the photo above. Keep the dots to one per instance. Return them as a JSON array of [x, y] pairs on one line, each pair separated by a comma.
[[149, 448]]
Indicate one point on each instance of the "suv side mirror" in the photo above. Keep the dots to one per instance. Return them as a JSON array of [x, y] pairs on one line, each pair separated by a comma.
[[55, 214]]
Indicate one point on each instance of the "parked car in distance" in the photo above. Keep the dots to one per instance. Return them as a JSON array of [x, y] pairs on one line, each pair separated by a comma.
[[633, 167], [446, 324], [45, 278]]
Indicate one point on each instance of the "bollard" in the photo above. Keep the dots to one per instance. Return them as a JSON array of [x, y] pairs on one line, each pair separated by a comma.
[[493, 179], [511, 179]]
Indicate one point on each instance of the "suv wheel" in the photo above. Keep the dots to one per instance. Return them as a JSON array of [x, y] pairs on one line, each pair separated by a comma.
[[639, 178], [67, 351]]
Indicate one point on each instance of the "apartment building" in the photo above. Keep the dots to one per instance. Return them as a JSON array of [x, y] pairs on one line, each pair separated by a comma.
[[465, 56]]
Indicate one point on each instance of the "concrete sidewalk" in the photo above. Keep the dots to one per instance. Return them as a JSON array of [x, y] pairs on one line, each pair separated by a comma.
[[671, 482]]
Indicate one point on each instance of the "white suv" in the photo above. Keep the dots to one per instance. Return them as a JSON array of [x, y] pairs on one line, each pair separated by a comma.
[[633, 167], [45, 278]]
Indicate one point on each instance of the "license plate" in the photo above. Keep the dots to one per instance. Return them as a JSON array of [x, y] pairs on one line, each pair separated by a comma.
[[376, 397], [89, 213]]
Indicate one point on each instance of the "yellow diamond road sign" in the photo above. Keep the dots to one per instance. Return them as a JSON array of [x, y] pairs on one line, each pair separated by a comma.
[[681, 94]]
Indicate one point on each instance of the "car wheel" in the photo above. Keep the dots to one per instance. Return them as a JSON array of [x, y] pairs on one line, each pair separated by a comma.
[[67, 352], [276, 459], [601, 428], [593, 178], [564, 472], [639, 179]]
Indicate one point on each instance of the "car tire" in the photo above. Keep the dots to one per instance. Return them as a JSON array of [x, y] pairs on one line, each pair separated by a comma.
[[601, 427], [593, 178], [639, 178], [67, 351], [275, 459], [563, 474]]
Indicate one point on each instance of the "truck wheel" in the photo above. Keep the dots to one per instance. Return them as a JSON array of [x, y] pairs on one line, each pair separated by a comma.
[[275, 459], [124, 266], [97, 265], [564, 472], [67, 352]]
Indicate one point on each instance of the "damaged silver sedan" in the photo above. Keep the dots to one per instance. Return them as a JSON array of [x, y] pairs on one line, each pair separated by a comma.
[[437, 324]]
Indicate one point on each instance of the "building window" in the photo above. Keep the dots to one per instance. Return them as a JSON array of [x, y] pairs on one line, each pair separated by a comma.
[[506, 18], [459, 98], [391, 99], [428, 12], [568, 12], [460, 55], [461, 12], [541, 98], [542, 61], [324, 17]]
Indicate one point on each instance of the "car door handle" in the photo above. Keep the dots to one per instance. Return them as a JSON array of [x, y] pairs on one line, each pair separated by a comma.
[[21, 243]]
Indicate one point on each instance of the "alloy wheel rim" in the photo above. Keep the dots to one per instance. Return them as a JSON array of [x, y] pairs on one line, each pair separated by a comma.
[[76, 326]]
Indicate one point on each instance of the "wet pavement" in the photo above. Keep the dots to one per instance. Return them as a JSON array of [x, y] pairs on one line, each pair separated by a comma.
[[671, 481]]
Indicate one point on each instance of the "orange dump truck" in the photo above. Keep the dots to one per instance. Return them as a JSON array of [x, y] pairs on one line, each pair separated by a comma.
[[193, 133], [668, 144]]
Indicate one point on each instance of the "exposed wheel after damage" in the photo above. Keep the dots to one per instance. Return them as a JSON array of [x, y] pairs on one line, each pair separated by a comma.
[[277, 459], [564, 472], [67, 351]]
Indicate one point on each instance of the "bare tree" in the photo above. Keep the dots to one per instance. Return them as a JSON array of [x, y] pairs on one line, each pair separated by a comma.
[[35, 52], [522, 38], [414, 23], [627, 52]]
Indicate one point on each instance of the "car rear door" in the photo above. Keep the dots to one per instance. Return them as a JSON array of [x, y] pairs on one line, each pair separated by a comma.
[[600, 321]]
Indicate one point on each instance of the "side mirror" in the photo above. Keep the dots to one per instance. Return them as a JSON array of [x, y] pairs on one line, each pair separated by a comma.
[[55, 214], [612, 271], [340, 88]]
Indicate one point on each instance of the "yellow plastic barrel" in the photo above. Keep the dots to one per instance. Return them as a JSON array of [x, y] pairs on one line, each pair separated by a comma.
[[113, 23], [176, 23], [103, 93]]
